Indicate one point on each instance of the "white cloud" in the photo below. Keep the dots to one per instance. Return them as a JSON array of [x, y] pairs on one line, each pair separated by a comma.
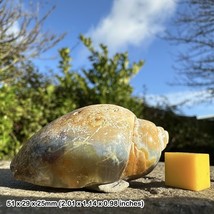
[[190, 102], [176, 98], [132, 22]]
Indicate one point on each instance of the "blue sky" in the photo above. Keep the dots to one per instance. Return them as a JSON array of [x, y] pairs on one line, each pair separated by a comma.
[[134, 26]]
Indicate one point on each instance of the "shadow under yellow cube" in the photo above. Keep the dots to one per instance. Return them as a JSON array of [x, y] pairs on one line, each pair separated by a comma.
[[187, 170]]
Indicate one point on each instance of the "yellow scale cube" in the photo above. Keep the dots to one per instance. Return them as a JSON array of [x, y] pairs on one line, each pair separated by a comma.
[[187, 170]]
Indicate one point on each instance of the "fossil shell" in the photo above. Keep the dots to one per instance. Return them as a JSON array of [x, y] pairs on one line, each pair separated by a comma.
[[96, 144]]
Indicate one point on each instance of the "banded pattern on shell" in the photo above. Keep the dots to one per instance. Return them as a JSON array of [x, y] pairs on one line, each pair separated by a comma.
[[96, 144]]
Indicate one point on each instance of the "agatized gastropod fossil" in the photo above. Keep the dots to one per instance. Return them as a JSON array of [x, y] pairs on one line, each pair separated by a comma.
[[99, 146]]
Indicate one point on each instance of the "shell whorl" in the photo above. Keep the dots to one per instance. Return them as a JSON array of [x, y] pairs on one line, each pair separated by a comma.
[[148, 142]]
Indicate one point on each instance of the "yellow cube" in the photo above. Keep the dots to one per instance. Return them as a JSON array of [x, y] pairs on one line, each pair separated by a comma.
[[187, 170]]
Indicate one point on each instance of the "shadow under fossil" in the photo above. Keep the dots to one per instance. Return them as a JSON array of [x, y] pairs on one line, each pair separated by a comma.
[[7, 180], [141, 185]]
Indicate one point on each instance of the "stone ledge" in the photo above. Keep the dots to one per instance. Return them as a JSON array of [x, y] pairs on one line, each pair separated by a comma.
[[151, 189]]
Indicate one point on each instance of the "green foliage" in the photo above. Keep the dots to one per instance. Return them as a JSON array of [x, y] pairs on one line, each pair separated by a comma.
[[63, 92], [106, 81], [10, 112], [31, 91], [25, 108], [109, 77], [71, 90]]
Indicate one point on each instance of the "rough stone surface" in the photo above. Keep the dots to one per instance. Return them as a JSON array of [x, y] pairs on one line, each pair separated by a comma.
[[151, 190]]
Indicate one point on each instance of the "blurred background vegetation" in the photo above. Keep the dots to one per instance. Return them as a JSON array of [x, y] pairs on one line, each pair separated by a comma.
[[31, 98]]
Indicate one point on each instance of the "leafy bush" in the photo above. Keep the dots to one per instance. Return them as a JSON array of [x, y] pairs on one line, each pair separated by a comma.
[[10, 112]]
